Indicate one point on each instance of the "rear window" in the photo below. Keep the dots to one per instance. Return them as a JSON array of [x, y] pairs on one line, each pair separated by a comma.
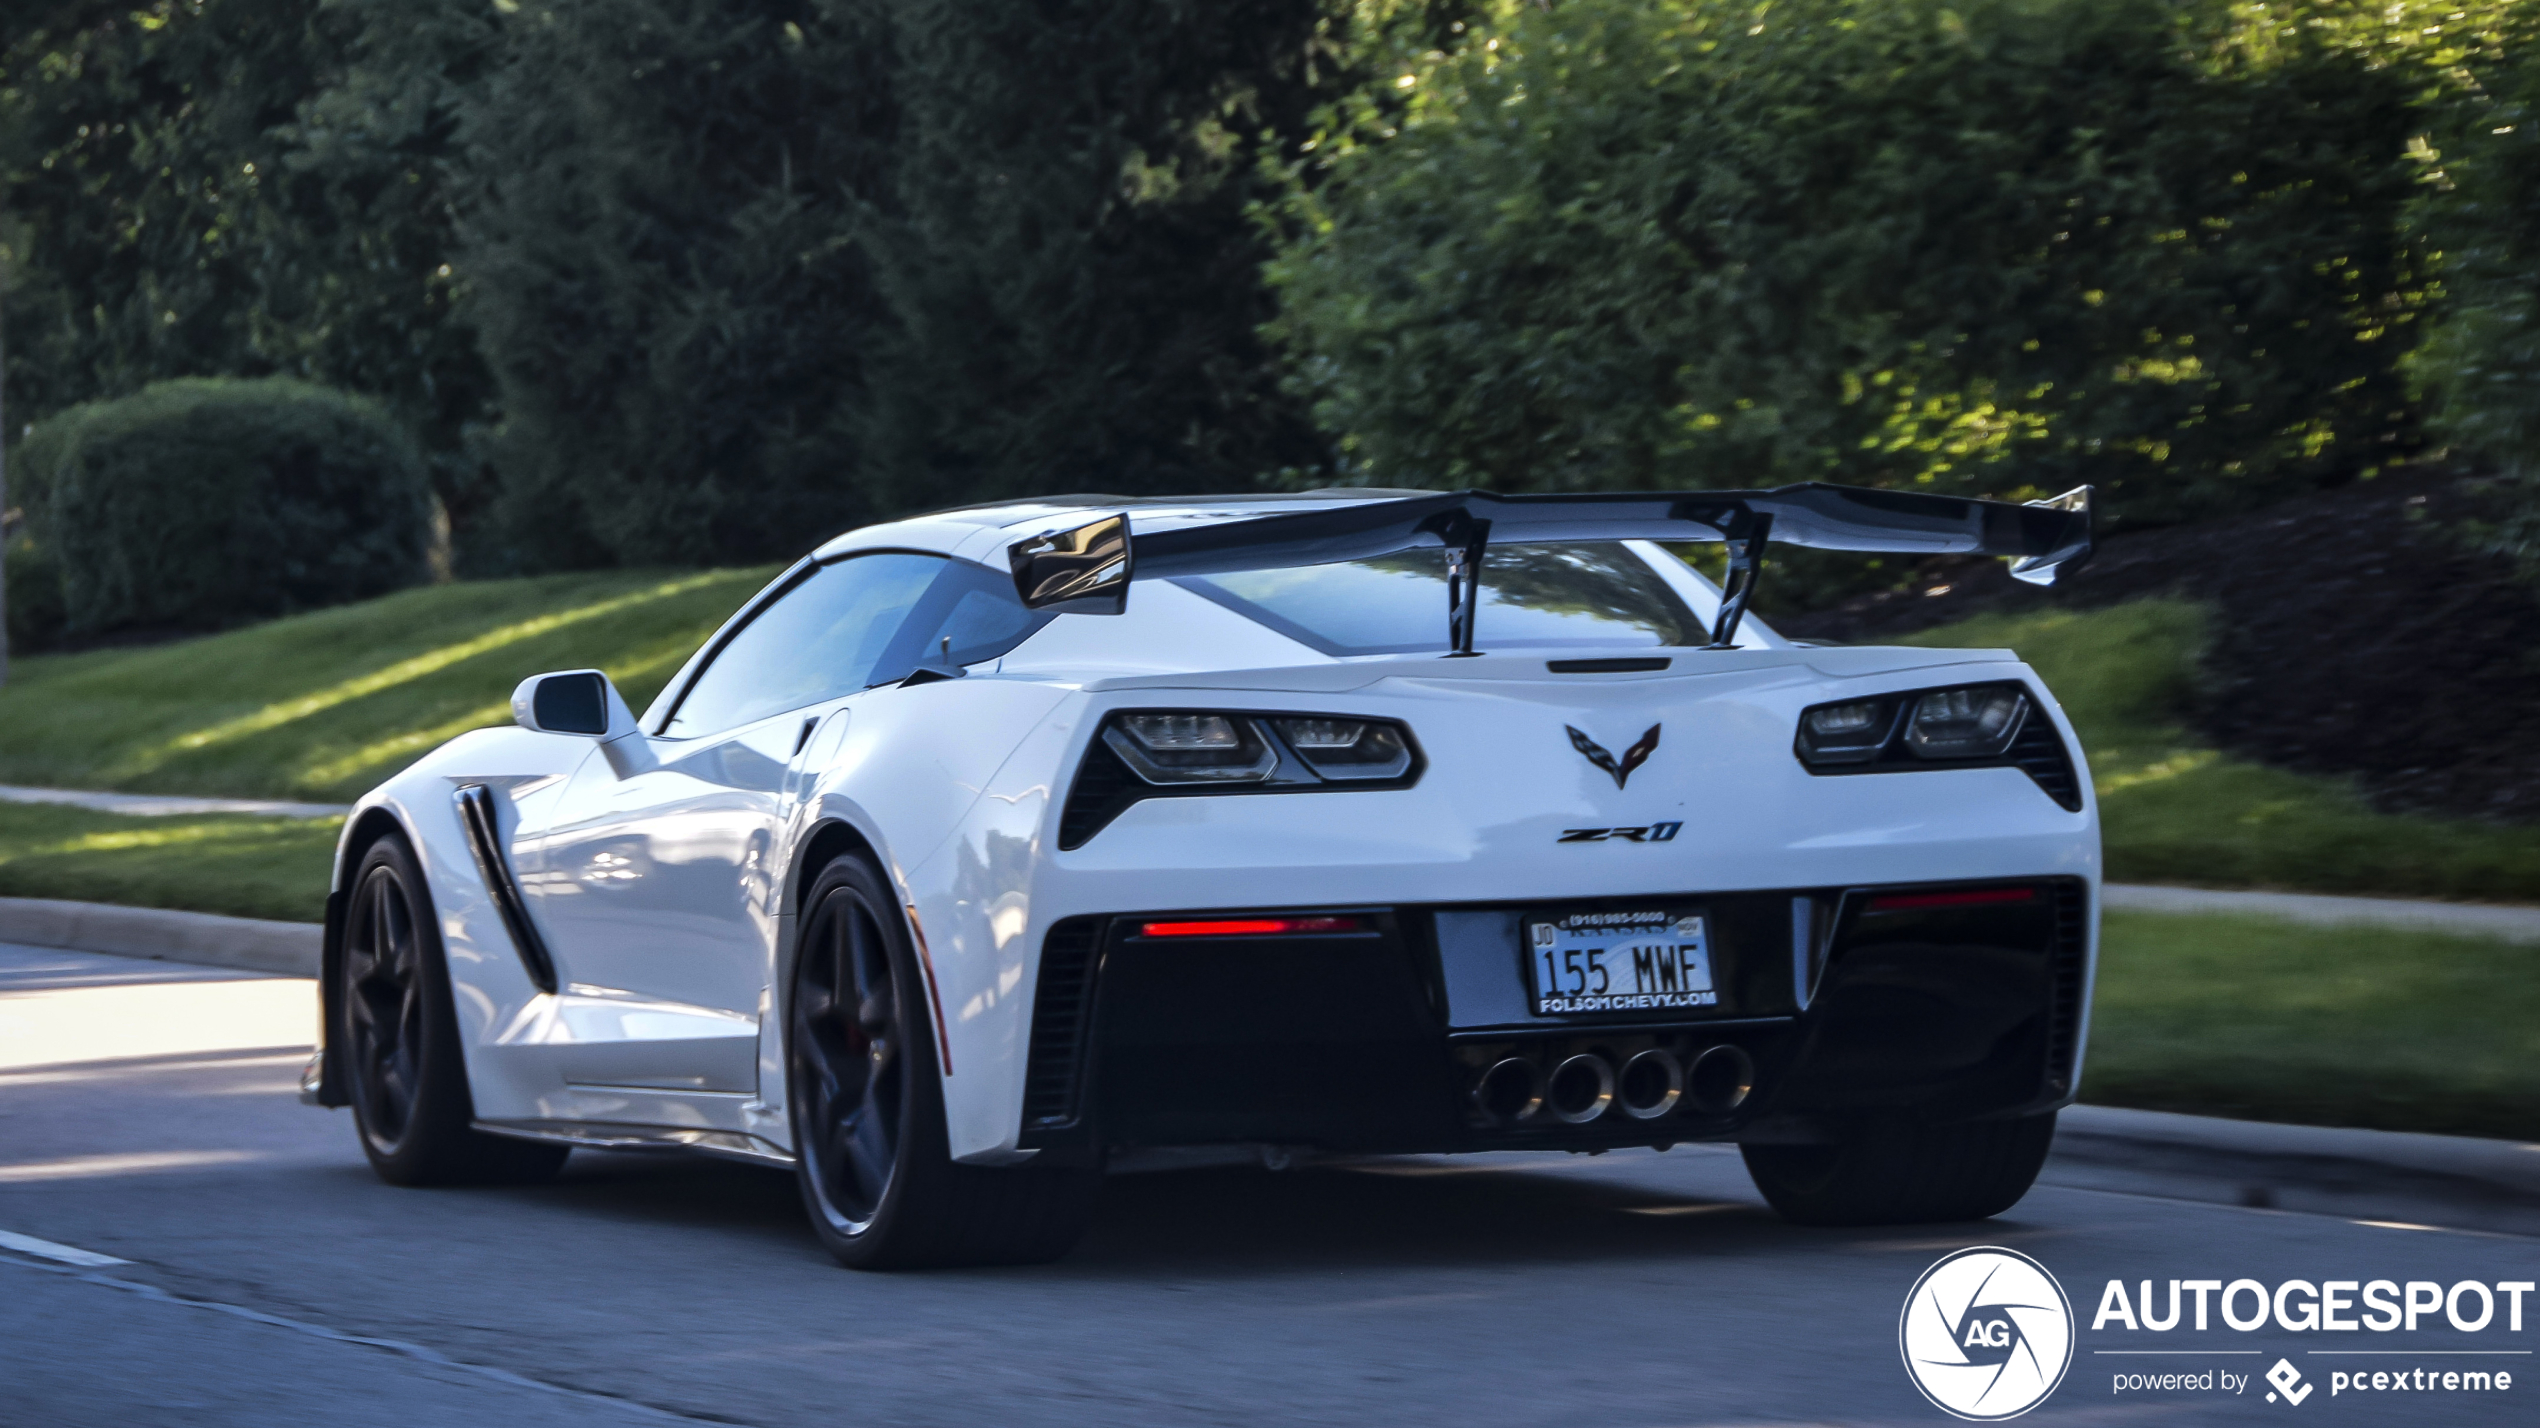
[[1532, 596]]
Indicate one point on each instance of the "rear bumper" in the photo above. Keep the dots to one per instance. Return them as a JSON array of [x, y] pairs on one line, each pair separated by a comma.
[[1939, 1002]]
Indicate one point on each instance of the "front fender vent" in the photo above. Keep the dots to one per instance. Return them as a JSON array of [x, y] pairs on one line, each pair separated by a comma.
[[485, 841]]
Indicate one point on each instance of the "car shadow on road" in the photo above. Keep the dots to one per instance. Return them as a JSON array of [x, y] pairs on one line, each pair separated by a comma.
[[1378, 1213], [1244, 1220]]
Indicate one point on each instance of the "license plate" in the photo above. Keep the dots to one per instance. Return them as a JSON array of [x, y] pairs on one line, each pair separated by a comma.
[[1650, 961]]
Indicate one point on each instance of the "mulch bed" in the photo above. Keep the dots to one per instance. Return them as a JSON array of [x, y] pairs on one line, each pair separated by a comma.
[[2356, 633]]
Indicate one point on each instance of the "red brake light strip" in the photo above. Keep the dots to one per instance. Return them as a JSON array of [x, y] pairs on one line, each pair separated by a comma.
[[1248, 926], [1972, 897]]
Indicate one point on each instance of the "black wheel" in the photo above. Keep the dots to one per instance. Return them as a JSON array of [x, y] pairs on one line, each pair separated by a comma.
[[1898, 1173], [400, 1034], [873, 1160]]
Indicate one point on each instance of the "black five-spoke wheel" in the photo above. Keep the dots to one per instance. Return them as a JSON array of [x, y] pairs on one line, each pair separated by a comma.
[[849, 1070], [383, 1005], [398, 1035], [865, 1090]]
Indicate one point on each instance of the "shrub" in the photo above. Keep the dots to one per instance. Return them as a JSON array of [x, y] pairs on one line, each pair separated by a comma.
[[1994, 246], [36, 615], [200, 503]]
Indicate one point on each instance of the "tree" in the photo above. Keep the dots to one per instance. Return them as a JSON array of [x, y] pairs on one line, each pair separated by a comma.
[[663, 245], [1993, 247], [132, 148], [244, 187], [747, 273], [1066, 252]]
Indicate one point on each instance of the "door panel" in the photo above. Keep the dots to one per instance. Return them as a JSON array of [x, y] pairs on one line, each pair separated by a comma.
[[657, 883]]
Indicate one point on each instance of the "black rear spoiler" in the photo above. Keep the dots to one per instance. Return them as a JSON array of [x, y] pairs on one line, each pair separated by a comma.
[[1087, 569]]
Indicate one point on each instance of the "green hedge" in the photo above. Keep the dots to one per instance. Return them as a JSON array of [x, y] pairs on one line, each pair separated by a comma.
[[37, 619], [1987, 245], [202, 503]]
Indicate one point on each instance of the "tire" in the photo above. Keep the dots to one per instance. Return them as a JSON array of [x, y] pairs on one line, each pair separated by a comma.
[[398, 1025], [1899, 1173], [867, 1105]]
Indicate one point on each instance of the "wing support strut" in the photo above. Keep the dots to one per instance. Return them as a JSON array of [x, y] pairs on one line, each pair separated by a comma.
[[1746, 562], [1464, 587]]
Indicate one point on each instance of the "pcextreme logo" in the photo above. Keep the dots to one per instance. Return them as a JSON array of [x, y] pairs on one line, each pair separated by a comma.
[[1986, 1334]]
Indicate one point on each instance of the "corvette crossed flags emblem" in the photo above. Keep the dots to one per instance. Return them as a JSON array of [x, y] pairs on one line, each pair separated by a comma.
[[1633, 757]]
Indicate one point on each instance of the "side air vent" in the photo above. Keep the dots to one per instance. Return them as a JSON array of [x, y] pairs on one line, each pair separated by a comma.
[[484, 841], [2039, 752], [2070, 954], [1062, 1012], [1103, 787]]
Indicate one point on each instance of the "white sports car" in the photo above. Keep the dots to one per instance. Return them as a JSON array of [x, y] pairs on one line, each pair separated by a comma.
[[983, 846]]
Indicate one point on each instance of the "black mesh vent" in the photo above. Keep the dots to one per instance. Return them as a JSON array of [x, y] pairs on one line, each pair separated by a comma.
[[2071, 953], [1053, 1076], [2040, 754], [1104, 786]]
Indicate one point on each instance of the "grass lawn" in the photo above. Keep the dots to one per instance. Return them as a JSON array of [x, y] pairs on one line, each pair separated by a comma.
[[2265, 1020], [2173, 810], [322, 706], [243, 866]]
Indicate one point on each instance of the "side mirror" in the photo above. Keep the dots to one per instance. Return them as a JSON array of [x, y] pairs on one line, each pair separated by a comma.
[[578, 701], [1084, 571]]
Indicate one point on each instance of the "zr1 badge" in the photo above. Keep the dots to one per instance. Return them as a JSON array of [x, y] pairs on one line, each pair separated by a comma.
[[1646, 833]]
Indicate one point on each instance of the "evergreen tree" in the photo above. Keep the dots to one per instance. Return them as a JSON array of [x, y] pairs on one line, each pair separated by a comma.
[[662, 247], [133, 152], [1070, 267]]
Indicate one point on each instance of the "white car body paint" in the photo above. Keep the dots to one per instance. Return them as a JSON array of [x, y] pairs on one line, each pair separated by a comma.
[[660, 871]]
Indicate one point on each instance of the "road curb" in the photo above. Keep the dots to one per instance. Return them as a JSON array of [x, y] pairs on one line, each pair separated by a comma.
[[2505, 1164], [2453, 919], [154, 805], [2460, 1181], [289, 949]]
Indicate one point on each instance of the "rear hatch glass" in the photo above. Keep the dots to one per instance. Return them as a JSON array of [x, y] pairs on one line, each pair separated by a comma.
[[1581, 594]]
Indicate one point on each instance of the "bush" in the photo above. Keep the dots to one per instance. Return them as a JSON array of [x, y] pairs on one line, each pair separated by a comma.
[[1995, 246], [36, 614], [201, 503]]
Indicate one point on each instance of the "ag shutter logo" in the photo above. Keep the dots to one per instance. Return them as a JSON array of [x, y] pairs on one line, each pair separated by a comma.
[[1986, 1334]]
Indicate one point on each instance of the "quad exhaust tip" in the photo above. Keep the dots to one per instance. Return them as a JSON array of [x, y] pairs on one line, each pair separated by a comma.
[[1720, 1080], [1580, 1088], [1651, 1084], [1510, 1091], [1583, 1087]]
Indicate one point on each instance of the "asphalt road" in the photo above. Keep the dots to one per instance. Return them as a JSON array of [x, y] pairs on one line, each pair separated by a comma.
[[147, 1113]]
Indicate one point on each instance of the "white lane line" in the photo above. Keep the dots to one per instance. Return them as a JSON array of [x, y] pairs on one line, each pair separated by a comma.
[[66, 1254], [89, 1167]]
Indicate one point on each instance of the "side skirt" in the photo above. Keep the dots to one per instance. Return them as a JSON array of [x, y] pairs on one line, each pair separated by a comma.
[[592, 1135]]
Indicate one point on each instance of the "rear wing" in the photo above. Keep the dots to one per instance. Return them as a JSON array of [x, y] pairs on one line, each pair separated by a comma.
[[1087, 569]]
